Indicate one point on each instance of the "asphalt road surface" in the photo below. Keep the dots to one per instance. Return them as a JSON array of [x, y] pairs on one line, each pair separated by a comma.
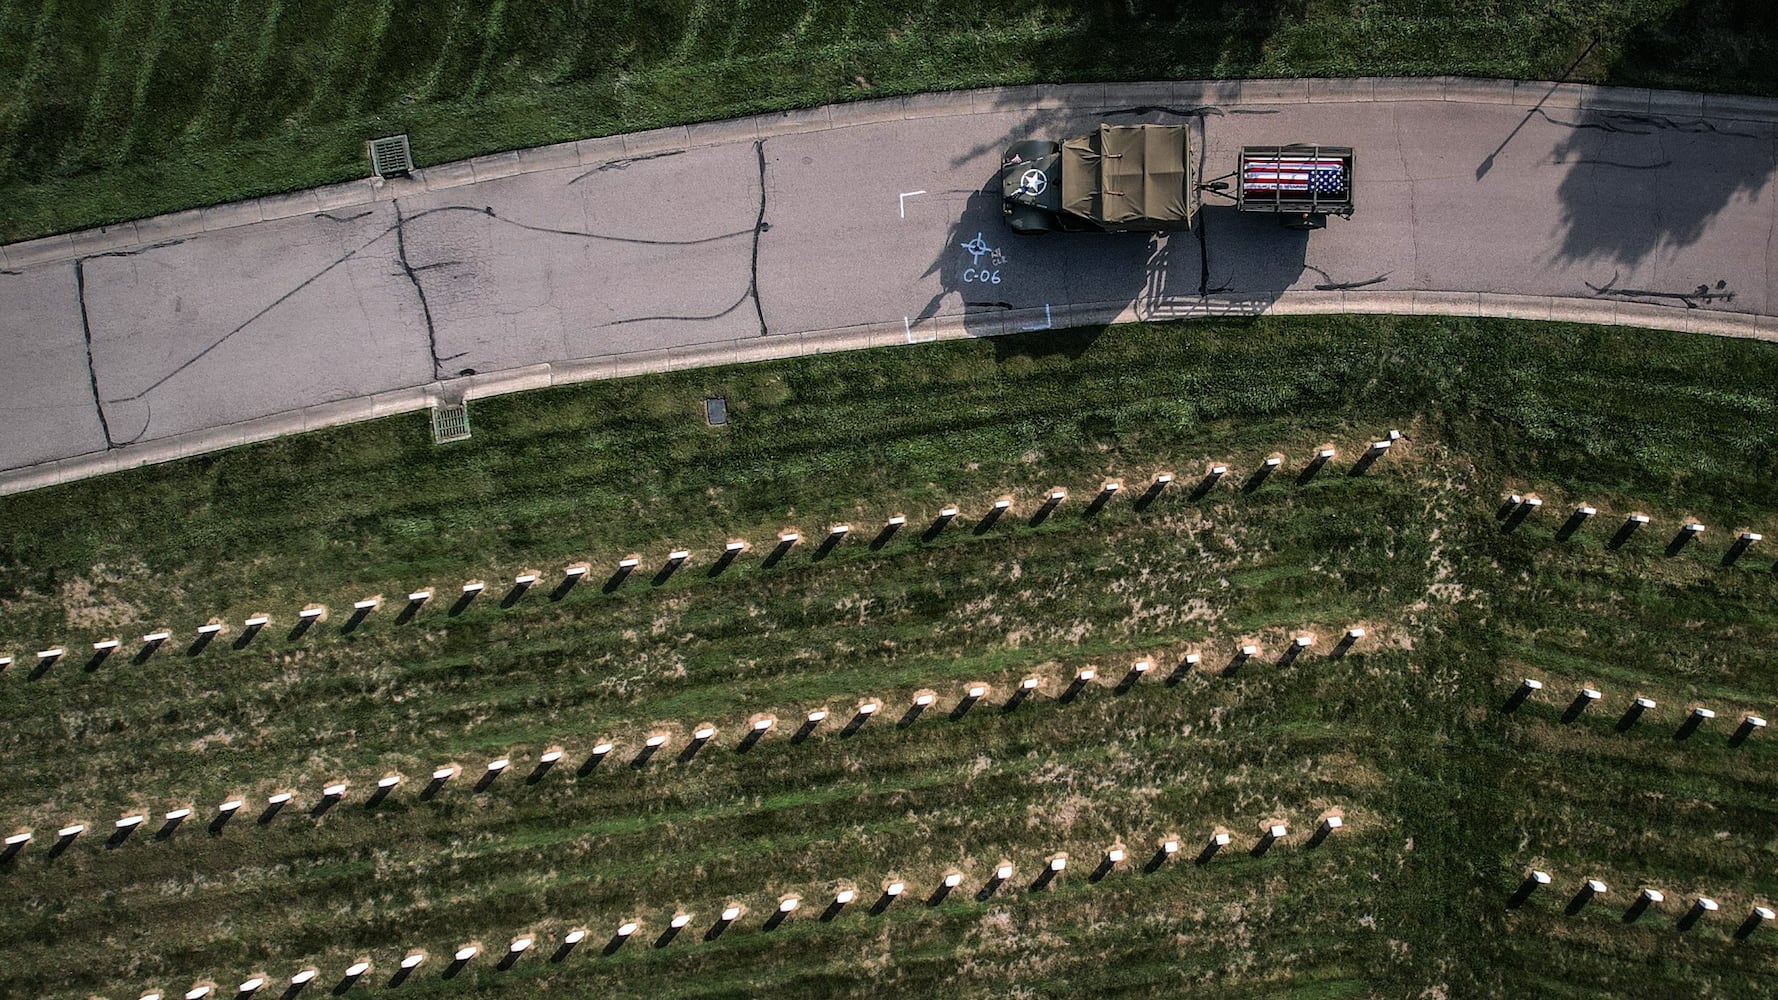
[[891, 225]]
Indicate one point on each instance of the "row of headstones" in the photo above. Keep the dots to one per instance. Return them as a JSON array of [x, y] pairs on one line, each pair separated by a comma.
[[1516, 508], [756, 729], [787, 540], [1694, 719], [1696, 909], [893, 888]]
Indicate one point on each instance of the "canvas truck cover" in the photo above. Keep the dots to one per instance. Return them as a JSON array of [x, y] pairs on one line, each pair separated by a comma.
[[1130, 176]]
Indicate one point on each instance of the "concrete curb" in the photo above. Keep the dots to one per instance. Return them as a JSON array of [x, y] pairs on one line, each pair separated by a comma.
[[991, 100], [867, 337]]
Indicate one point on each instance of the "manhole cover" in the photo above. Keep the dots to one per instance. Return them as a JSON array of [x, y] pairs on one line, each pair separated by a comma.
[[450, 422], [716, 411]]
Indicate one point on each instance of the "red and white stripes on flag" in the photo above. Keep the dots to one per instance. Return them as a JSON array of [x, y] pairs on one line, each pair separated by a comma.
[[1294, 175]]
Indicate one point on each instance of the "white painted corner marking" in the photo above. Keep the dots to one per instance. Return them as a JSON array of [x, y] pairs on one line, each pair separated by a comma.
[[905, 195], [1048, 320]]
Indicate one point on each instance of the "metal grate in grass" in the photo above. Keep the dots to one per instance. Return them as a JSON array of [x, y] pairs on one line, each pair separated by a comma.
[[390, 155], [450, 422]]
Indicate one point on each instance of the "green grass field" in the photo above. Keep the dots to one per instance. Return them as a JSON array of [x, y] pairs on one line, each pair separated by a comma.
[[1447, 799], [116, 109]]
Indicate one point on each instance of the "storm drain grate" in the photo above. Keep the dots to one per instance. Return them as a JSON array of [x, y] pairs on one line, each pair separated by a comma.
[[390, 155], [450, 422]]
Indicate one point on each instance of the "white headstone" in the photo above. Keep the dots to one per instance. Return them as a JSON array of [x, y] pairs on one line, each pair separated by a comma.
[[788, 537], [679, 555], [601, 749], [1218, 470], [1163, 478], [817, 715], [303, 977], [1002, 504], [703, 732], [953, 879], [845, 896], [789, 904], [1540, 877], [655, 741], [923, 699], [157, 637], [1221, 839], [521, 944], [389, 781], [474, 587], [354, 970], [1693, 527], [761, 725], [496, 766], [1596, 887], [1003, 872], [894, 888], [1085, 674], [1193, 659], [1645, 703], [466, 953], [444, 773], [1590, 694], [230, 806], [419, 596], [839, 530], [17, 839], [734, 545], [334, 790], [1111, 486], [978, 690], [413, 961], [368, 604], [1141, 667], [869, 707], [251, 985], [257, 621], [1058, 863], [897, 520], [131, 821], [549, 757], [198, 992], [1273, 461], [1750, 537], [71, 831], [1703, 714], [1030, 683], [1115, 855], [311, 612], [1304, 641], [730, 913], [177, 814], [680, 920], [1249, 649], [578, 934], [105, 645], [629, 562], [948, 512], [278, 798], [525, 579]]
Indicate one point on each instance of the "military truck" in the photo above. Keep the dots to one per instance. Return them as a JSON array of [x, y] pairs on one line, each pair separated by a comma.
[[1141, 178], [1115, 179]]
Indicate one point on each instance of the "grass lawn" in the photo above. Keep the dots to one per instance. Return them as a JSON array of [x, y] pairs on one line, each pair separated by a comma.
[[116, 109], [1447, 798]]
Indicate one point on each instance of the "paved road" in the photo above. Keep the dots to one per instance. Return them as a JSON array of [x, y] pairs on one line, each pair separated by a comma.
[[139, 344]]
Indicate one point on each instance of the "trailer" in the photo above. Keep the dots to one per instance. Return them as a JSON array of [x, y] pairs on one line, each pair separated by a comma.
[[1302, 184]]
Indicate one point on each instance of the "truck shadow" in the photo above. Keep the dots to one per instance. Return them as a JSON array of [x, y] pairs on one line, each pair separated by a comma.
[[994, 282]]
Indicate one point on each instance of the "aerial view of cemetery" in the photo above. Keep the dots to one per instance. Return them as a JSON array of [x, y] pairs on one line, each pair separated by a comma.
[[690, 500]]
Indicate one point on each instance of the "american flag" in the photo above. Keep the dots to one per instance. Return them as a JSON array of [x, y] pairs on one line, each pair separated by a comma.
[[1294, 175]]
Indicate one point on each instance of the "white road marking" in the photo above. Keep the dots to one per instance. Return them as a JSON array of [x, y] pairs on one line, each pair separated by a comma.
[[905, 195], [1048, 320]]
